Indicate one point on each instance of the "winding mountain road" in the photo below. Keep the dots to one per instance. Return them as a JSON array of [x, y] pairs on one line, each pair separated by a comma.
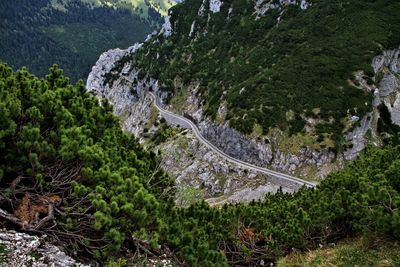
[[186, 123]]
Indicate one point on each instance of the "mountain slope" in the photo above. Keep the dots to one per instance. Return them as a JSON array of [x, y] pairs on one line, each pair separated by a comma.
[[307, 84], [72, 34], [275, 64]]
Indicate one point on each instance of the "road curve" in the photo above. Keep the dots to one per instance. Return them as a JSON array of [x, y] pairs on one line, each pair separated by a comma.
[[177, 119]]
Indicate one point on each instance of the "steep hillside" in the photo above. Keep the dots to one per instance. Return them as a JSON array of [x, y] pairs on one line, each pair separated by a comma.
[[296, 86], [72, 34], [275, 63]]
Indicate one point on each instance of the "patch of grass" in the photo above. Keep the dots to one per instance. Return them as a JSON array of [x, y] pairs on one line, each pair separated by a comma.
[[293, 144], [34, 255], [221, 178], [153, 117], [257, 130], [141, 7], [179, 100], [189, 195], [349, 253], [164, 132], [3, 252], [117, 262]]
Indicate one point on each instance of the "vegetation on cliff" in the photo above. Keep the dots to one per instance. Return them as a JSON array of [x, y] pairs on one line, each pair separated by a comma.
[[279, 70]]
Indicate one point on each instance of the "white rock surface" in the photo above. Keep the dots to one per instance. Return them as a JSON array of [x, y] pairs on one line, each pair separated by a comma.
[[388, 84], [149, 36], [125, 90], [104, 65], [230, 10], [304, 4], [389, 87], [202, 9], [263, 6], [192, 28], [215, 6], [390, 59], [387, 92], [166, 28], [25, 250], [248, 194], [357, 138]]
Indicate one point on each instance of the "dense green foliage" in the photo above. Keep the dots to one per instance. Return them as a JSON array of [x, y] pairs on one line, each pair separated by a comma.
[[263, 68], [35, 35], [3, 251], [62, 142], [163, 133]]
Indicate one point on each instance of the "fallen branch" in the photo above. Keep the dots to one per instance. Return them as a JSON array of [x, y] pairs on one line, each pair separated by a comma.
[[50, 216], [11, 218]]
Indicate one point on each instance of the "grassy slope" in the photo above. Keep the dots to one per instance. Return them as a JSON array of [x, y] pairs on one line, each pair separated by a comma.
[[161, 6], [351, 252]]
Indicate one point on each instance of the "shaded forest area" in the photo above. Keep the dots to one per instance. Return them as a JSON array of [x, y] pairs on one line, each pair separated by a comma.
[[35, 35]]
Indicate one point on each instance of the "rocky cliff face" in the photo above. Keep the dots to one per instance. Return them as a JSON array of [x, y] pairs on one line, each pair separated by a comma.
[[388, 92], [276, 151], [129, 100], [123, 89], [387, 69], [263, 6], [202, 174], [266, 151]]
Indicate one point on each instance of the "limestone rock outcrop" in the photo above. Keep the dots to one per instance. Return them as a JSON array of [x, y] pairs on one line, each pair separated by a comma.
[[263, 6], [388, 66], [31, 251]]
